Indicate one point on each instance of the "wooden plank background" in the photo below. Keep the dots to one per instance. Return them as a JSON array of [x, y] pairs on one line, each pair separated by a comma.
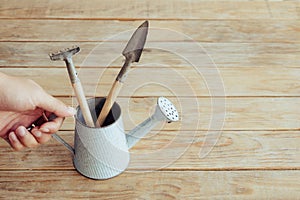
[[244, 72]]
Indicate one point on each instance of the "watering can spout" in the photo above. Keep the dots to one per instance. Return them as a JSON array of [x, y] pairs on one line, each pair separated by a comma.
[[165, 111]]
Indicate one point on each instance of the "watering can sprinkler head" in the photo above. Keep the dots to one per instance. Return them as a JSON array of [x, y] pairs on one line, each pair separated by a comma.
[[165, 111]]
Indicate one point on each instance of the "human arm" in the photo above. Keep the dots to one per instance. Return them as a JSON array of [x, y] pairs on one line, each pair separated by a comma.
[[22, 101]]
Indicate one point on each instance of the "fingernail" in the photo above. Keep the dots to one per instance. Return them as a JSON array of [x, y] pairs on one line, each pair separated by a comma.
[[12, 136], [71, 110], [22, 132], [37, 134], [45, 130]]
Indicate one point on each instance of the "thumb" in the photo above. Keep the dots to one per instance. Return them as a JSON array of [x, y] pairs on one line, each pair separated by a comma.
[[53, 105]]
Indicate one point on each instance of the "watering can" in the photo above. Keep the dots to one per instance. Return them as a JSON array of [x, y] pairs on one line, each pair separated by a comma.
[[103, 152]]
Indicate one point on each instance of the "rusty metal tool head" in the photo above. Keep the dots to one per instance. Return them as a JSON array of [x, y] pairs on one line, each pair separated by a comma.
[[66, 55], [134, 49]]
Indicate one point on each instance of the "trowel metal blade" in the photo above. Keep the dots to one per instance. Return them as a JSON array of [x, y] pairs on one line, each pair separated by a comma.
[[135, 45]]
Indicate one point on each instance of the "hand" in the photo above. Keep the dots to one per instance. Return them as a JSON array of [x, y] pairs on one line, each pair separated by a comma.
[[22, 101]]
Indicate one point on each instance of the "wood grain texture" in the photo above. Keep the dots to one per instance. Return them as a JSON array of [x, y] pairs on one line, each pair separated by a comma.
[[150, 9], [188, 81], [154, 185], [158, 54], [238, 31], [177, 150]]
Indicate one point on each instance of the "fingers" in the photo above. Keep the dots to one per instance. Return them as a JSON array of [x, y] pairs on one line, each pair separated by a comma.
[[43, 134], [14, 142], [21, 138], [52, 126], [25, 137], [53, 105], [41, 137]]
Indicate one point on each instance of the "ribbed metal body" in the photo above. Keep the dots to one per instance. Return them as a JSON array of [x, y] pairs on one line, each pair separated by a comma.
[[100, 153]]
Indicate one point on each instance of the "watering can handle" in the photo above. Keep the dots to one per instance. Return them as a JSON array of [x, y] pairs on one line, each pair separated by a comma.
[[62, 141], [44, 119]]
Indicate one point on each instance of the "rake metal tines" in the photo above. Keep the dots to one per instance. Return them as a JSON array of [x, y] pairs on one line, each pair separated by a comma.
[[64, 53]]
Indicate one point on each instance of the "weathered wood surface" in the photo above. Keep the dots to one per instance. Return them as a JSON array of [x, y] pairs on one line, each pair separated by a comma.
[[150, 9], [153, 185], [168, 81], [177, 150], [252, 31], [231, 68], [173, 54]]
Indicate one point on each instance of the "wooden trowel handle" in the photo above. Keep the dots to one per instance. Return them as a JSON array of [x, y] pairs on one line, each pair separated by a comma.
[[111, 98]]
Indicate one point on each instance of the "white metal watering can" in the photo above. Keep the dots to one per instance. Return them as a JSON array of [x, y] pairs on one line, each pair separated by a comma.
[[102, 153]]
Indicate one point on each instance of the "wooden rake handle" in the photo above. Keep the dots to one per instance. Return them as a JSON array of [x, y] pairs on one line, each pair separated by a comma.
[[111, 98], [83, 104]]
